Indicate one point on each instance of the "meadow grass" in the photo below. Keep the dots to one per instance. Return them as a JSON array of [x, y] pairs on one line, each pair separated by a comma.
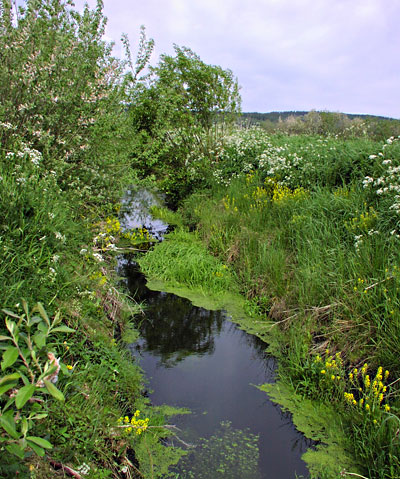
[[315, 244]]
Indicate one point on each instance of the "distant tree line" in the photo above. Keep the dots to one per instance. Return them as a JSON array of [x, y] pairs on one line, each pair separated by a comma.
[[324, 122]]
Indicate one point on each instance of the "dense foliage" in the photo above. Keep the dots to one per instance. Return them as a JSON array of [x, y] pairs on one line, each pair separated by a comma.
[[307, 229], [65, 140], [310, 228]]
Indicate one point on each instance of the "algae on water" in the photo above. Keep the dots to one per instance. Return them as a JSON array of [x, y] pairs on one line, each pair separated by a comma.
[[318, 422], [228, 454]]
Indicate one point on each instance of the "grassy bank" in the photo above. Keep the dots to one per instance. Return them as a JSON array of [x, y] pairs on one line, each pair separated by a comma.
[[308, 229]]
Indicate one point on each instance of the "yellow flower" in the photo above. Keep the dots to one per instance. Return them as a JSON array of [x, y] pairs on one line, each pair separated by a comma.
[[69, 367], [323, 371], [387, 407], [367, 407]]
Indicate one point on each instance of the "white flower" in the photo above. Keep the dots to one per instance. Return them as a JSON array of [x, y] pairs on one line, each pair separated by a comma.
[[83, 251], [98, 257], [60, 237], [83, 469]]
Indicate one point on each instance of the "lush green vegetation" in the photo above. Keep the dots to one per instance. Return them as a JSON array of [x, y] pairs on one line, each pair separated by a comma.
[[66, 377], [310, 227], [307, 229]]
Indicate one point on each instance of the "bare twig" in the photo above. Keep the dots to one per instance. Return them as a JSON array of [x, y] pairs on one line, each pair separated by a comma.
[[68, 470]]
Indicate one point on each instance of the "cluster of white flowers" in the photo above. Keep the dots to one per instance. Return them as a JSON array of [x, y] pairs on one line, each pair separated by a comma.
[[60, 237], [388, 183]]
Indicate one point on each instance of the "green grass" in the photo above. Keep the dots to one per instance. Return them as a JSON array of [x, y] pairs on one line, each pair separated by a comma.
[[323, 263]]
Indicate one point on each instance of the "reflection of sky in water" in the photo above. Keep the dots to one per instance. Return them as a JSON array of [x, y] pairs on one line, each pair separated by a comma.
[[198, 359], [135, 212]]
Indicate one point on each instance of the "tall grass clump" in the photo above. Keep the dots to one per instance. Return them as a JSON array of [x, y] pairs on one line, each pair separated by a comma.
[[182, 259]]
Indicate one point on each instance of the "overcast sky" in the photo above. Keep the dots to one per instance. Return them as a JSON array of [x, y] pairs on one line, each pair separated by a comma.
[[336, 55]]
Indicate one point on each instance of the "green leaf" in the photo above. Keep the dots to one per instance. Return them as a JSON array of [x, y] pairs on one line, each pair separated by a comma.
[[40, 339], [7, 386], [35, 320], [53, 390], [25, 306], [24, 426], [39, 416], [15, 449], [9, 357], [57, 318], [39, 451], [9, 377], [39, 307], [40, 442], [24, 394], [10, 313], [7, 422], [63, 329], [5, 338], [11, 326], [43, 328]]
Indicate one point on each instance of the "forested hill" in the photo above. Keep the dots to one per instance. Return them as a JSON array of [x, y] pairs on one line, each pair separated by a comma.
[[274, 116]]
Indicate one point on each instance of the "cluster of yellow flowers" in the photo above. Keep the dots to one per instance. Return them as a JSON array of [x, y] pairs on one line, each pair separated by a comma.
[[134, 424], [365, 393], [229, 204], [364, 222], [370, 392], [260, 197], [332, 366], [140, 235], [113, 226], [99, 277]]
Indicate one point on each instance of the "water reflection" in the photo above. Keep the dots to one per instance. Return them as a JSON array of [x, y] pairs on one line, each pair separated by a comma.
[[198, 359]]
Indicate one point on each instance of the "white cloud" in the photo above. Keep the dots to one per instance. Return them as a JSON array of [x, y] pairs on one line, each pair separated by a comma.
[[333, 54]]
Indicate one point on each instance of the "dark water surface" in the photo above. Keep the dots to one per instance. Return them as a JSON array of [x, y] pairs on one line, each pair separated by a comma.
[[198, 359]]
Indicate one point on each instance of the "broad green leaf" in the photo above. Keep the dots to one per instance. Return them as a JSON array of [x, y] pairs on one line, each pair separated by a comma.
[[39, 451], [24, 426], [7, 422], [39, 307], [24, 394], [43, 328], [53, 390], [35, 319], [39, 416], [9, 377], [11, 326], [15, 449], [7, 386], [63, 329], [11, 314], [40, 442], [9, 357], [39, 339], [5, 338]]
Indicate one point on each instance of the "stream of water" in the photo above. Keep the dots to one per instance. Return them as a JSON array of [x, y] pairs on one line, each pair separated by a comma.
[[199, 359]]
